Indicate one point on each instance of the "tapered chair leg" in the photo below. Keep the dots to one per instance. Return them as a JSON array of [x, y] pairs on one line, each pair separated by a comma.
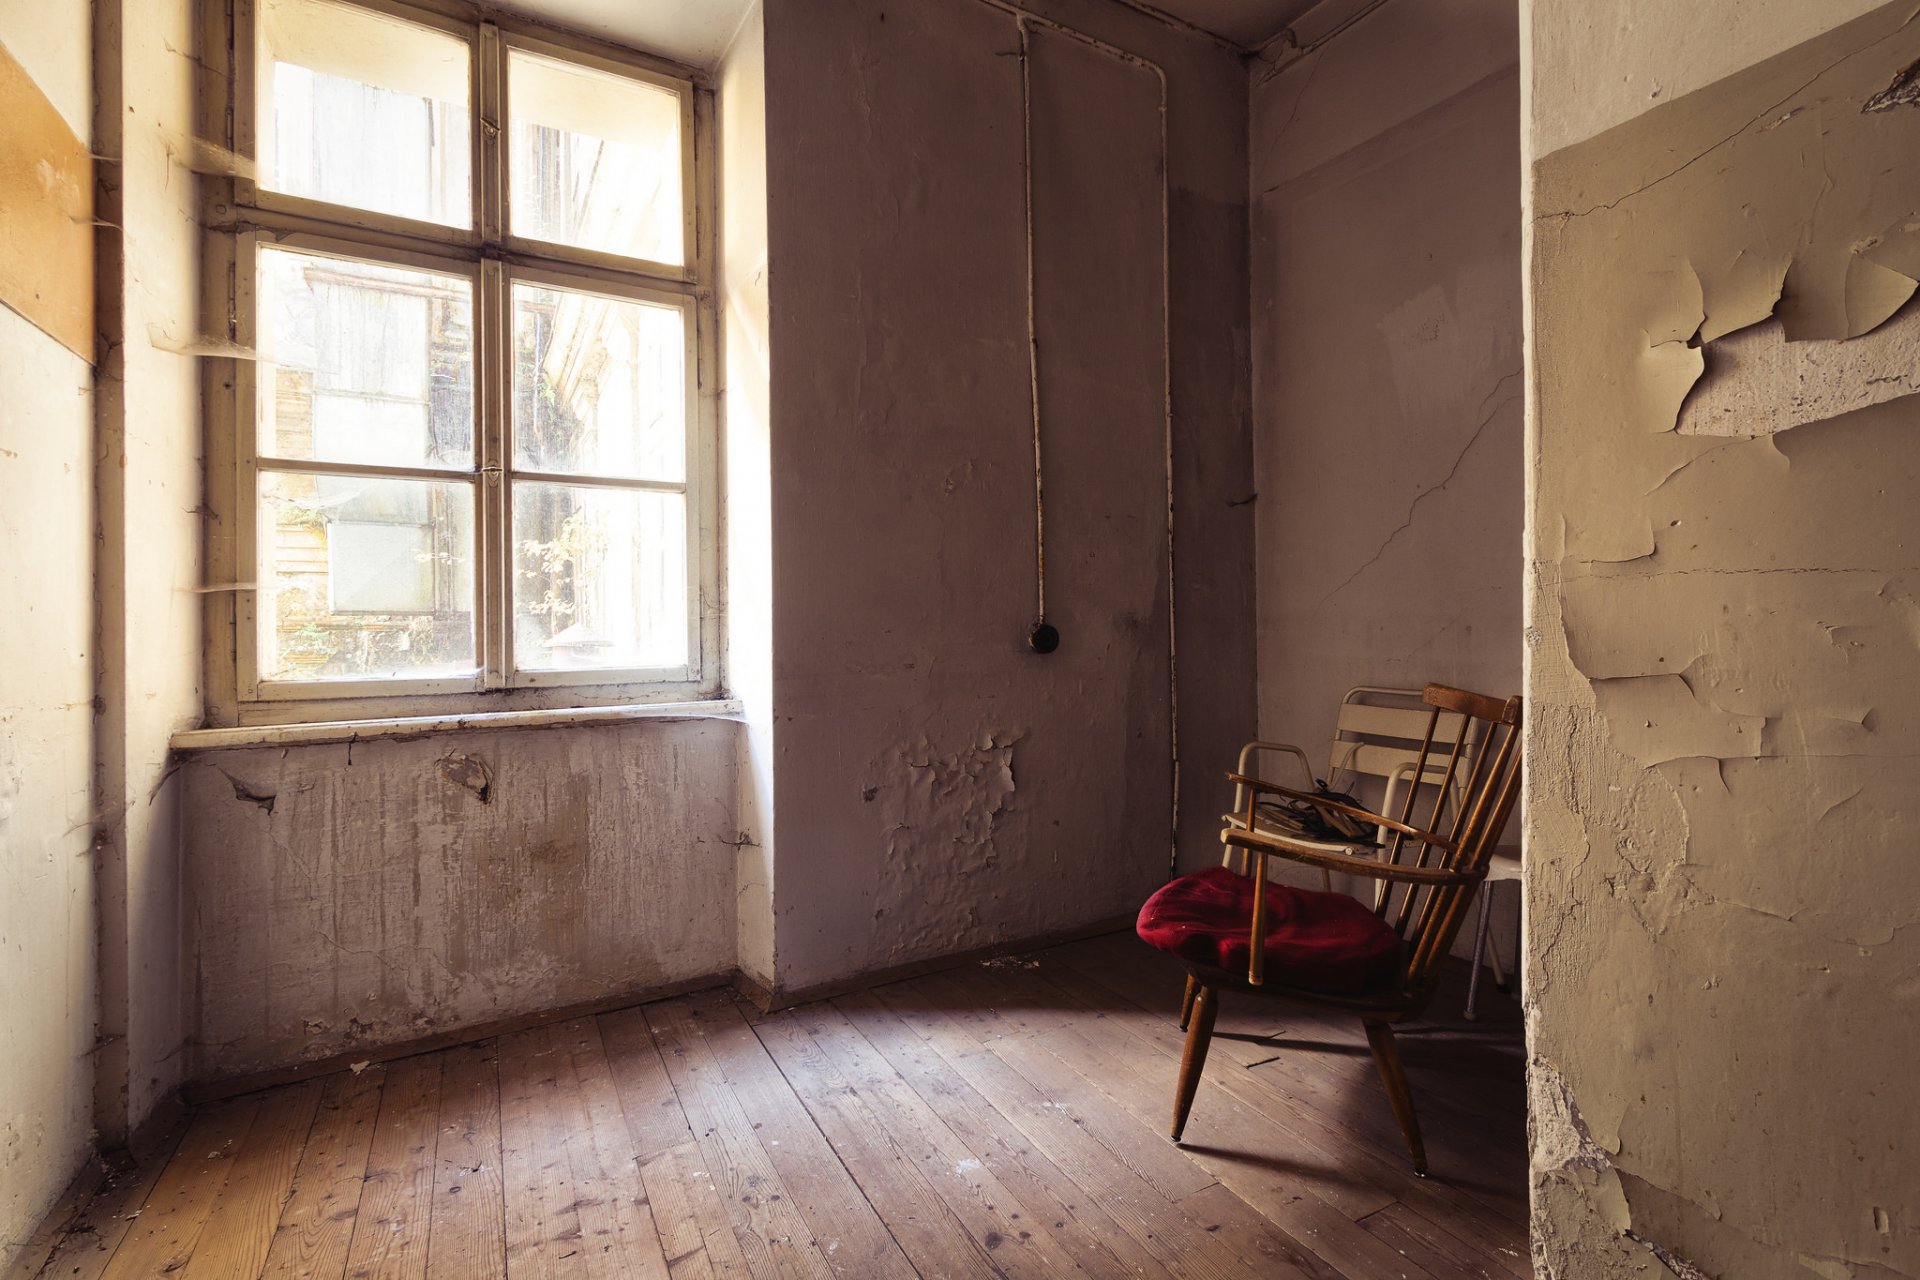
[[1386, 1055], [1194, 1060], [1186, 1001]]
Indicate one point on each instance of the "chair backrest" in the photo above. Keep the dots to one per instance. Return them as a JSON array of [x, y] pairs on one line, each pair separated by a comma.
[[1472, 742], [1378, 734]]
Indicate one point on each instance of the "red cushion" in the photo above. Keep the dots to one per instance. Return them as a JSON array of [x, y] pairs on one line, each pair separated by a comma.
[[1321, 941]]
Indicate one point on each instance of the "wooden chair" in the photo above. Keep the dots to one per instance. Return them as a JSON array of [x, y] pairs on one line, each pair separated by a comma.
[[1233, 930], [1376, 736]]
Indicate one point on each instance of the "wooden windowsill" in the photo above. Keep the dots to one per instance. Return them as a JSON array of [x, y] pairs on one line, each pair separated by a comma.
[[288, 735]]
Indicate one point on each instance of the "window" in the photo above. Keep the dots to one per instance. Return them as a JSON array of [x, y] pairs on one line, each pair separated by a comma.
[[472, 456]]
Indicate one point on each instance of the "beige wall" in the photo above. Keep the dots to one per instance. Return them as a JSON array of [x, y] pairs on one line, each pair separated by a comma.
[[1724, 478], [147, 417], [749, 477], [1593, 66], [47, 949], [1386, 365], [937, 786]]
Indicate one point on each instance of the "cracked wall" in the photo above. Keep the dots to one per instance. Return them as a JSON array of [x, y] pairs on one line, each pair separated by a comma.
[[1724, 610], [939, 787], [350, 897], [1387, 386]]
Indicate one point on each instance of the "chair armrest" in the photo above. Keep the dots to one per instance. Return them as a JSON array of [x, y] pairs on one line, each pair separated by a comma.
[[1254, 787], [1263, 844]]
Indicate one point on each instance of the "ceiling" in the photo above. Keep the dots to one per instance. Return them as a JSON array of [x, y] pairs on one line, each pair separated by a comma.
[[1247, 23], [695, 32]]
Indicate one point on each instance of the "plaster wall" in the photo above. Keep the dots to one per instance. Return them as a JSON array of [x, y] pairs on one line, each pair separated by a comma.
[[1724, 476], [1593, 66], [1386, 365], [363, 895], [749, 578], [938, 786], [148, 573], [47, 948]]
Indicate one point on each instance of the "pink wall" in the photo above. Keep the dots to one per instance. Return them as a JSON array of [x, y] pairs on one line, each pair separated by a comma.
[[938, 786]]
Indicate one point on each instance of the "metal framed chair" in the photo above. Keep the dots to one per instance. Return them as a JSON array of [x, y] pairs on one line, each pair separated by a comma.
[[1376, 736], [1234, 930]]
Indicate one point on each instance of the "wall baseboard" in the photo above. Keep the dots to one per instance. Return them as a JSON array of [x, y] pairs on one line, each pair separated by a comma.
[[37, 1248], [769, 1000], [766, 999], [232, 1086]]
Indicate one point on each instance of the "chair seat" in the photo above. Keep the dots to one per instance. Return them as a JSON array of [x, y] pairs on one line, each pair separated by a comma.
[[1316, 941]]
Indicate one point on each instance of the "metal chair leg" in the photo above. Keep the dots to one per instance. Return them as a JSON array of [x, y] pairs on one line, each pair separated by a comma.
[[1479, 951], [1194, 1060]]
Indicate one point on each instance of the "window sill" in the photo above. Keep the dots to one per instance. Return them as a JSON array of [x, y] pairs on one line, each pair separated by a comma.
[[290, 735]]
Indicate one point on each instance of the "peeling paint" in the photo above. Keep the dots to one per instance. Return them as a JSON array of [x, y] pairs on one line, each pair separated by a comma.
[[470, 771], [1723, 512]]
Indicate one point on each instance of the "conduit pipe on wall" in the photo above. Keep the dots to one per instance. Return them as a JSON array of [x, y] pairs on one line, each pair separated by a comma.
[[1025, 20]]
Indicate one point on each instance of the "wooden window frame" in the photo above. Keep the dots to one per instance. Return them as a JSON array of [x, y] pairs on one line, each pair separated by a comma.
[[241, 219]]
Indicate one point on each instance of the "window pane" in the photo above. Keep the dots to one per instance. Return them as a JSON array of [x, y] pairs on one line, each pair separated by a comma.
[[360, 109], [595, 160], [364, 363], [364, 577], [599, 577], [599, 385]]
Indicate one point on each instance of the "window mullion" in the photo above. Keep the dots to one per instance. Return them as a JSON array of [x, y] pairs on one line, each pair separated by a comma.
[[490, 106], [493, 387], [494, 355]]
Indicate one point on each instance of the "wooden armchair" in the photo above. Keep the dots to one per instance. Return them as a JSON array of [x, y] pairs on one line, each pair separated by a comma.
[[1235, 930]]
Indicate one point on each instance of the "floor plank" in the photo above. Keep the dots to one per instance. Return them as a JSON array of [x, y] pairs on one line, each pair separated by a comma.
[[774, 1239], [996, 1120], [162, 1240], [654, 1114], [240, 1230], [467, 1219], [1136, 1206], [316, 1226], [1004, 1149], [615, 1218], [961, 1172], [390, 1231], [90, 1242]]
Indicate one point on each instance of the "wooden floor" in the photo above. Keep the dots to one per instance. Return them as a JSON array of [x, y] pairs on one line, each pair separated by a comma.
[[1005, 1119]]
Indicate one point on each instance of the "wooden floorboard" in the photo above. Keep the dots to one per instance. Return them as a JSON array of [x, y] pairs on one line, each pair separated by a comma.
[[1000, 1119]]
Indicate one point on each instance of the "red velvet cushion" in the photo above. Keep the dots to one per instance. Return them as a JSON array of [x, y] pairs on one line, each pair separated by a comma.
[[1323, 941]]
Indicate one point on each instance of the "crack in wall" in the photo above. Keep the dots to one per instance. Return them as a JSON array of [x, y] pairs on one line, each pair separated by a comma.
[[1413, 507]]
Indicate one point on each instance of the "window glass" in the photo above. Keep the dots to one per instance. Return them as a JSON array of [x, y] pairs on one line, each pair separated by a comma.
[[359, 109], [600, 577], [600, 385], [595, 160], [364, 577], [364, 363]]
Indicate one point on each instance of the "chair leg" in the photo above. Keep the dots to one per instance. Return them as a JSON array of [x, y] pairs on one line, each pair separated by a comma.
[[1386, 1055], [1186, 1001], [1479, 951], [1194, 1060], [1501, 978]]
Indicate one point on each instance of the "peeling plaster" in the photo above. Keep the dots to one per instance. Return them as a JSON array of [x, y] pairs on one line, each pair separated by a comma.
[[470, 771], [1725, 532]]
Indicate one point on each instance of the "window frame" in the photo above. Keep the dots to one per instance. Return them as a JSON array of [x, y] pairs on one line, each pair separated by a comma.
[[241, 219]]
